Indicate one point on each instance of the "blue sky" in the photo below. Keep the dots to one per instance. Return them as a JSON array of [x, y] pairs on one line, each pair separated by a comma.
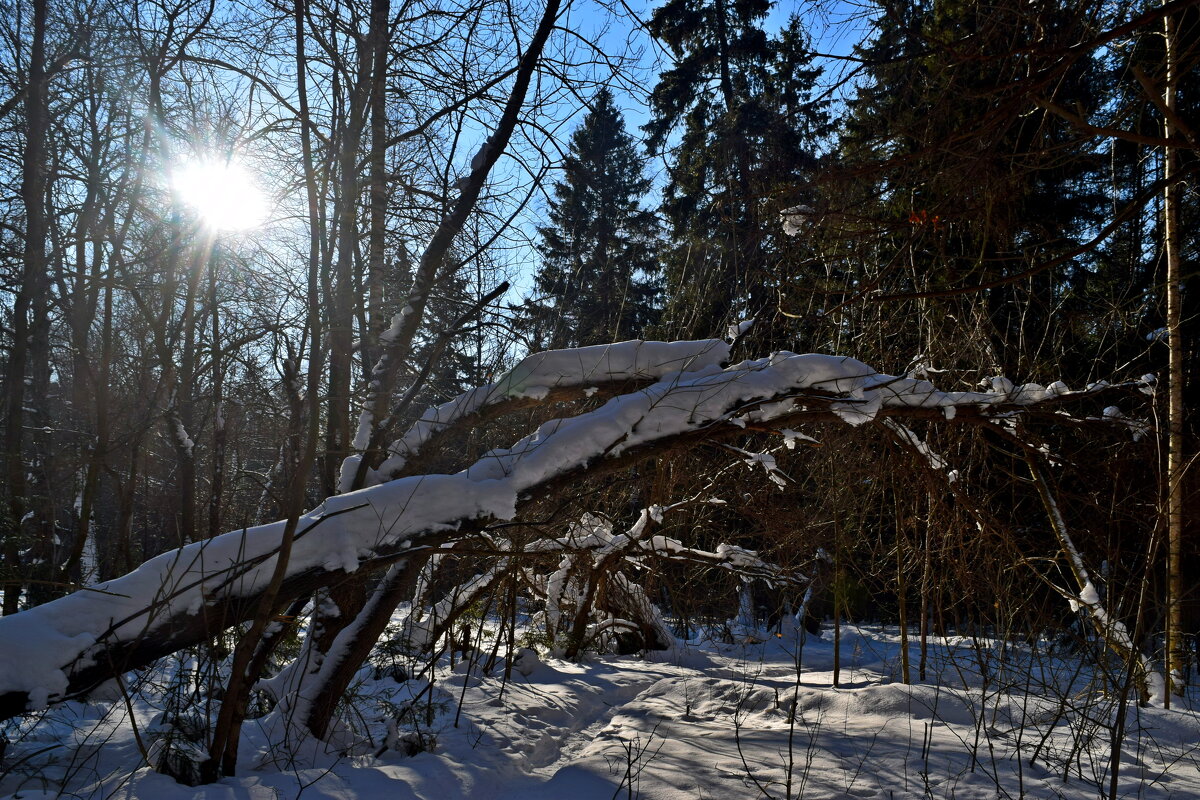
[[835, 27]]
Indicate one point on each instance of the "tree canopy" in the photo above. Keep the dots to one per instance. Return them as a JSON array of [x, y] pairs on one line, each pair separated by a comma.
[[598, 277]]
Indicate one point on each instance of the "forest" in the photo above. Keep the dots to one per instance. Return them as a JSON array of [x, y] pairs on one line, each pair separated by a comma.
[[567, 398]]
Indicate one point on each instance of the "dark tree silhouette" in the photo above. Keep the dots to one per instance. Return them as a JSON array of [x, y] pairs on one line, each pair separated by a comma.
[[597, 282], [741, 102]]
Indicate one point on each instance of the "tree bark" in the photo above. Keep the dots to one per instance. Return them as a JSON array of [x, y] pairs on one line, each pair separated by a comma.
[[254, 647], [30, 321], [1176, 650], [344, 300]]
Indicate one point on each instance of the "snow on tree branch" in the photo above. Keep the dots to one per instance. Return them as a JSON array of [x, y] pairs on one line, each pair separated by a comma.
[[69, 645], [537, 374]]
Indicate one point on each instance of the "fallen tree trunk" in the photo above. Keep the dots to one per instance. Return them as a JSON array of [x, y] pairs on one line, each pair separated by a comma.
[[66, 647]]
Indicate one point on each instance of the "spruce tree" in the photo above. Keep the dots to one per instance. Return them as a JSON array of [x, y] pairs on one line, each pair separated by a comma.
[[741, 104], [952, 176], [597, 281]]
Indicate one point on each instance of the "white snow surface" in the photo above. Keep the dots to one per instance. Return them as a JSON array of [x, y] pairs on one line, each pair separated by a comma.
[[710, 721]]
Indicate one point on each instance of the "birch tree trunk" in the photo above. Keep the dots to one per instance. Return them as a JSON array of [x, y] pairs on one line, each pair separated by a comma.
[[1176, 654]]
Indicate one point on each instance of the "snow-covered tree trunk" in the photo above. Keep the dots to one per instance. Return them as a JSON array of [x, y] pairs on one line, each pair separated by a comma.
[[685, 398]]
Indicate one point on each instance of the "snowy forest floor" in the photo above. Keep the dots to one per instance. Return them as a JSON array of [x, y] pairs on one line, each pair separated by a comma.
[[708, 720]]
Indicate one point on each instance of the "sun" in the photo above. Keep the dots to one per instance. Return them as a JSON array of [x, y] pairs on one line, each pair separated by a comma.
[[222, 194]]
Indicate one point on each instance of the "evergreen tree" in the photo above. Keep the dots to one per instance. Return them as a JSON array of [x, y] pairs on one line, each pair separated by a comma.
[[741, 103], [960, 179], [597, 282]]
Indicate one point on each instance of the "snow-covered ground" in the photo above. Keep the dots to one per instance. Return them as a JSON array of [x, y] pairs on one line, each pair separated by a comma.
[[709, 720]]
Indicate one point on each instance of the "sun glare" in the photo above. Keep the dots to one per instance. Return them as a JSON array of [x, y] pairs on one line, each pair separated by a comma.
[[222, 194]]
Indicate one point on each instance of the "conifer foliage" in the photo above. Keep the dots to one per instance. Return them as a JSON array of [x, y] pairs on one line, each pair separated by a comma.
[[741, 103], [597, 281]]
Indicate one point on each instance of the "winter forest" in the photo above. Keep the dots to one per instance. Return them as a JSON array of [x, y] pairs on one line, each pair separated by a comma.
[[583, 399]]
